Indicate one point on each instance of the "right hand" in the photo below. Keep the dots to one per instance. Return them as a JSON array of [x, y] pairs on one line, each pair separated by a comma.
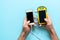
[[48, 24], [50, 28]]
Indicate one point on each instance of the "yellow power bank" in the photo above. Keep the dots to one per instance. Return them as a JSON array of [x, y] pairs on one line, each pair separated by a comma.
[[42, 13]]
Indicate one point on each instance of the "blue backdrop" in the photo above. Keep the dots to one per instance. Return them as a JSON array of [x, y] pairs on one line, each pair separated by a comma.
[[12, 13]]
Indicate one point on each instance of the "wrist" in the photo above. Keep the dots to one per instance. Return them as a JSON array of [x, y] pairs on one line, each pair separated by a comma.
[[50, 27], [51, 31], [24, 34], [53, 35]]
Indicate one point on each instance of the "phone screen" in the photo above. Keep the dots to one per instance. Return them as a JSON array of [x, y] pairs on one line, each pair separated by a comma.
[[30, 16], [42, 15]]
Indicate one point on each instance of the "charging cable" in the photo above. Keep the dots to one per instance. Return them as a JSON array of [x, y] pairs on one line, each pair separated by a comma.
[[34, 34]]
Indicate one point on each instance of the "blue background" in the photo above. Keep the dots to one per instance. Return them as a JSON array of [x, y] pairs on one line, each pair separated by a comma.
[[12, 13]]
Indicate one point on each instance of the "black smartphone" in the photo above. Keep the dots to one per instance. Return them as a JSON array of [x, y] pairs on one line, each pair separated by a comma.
[[29, 14], [42, 15]]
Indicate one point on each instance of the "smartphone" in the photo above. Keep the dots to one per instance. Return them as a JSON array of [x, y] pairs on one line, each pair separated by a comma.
[[41, 14], [29, 14]]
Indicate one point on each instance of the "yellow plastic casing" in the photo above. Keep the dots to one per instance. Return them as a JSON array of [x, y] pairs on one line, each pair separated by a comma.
[[41, 8]]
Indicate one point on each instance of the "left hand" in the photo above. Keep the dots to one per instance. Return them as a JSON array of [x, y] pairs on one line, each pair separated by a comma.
[[26, 26]]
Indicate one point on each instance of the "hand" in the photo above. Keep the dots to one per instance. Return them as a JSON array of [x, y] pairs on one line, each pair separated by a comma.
[[26, 26], [48, 24], [26, 29], [50, 28]]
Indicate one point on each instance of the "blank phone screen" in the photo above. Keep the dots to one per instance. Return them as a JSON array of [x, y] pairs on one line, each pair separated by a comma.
[[30, 16], [42, 15]]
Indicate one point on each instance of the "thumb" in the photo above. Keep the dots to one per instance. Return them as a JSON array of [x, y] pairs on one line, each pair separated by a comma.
[[46, 20], [28, 22]]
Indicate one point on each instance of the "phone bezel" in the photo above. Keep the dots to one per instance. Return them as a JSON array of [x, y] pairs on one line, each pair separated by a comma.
[[39, 9], [30, 11]]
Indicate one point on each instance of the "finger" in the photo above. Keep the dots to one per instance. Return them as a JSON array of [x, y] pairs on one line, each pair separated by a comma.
[[40, 25], [28, 22], [45, 19], [34, 24]]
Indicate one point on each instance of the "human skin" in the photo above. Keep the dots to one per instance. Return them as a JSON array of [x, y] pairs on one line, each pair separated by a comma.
[[26, 29], [48, 26]]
